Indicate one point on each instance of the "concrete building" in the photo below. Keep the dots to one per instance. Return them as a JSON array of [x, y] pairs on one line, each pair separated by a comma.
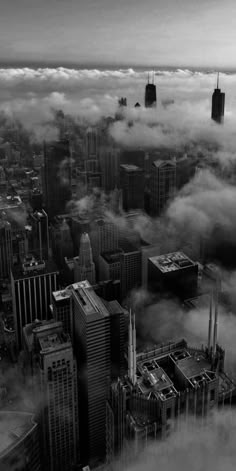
[[162, 385], [50, 361], [130, 270], [173, 274], [32, 284], [132, 186], [103, 237], [110, 168], [109, 265], [162, 184], [39, 241], [98, 345], [19, 442]]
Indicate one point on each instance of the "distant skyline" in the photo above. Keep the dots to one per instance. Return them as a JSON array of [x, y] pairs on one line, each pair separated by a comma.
[[169, 33]]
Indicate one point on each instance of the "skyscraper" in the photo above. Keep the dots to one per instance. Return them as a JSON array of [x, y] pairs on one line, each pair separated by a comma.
[[150, 94], [218, 104], [98, 344], [5, 249], [103, 237], [57, 177], [49, 352], [162, 184], [39, 235], [84, 268], [130, 269], [132, 185], [32, 285], [110, 168]]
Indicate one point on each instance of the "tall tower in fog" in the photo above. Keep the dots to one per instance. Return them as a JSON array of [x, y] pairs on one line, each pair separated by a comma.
[[218, 104], [85, 269], [150, 94], [57, 177]]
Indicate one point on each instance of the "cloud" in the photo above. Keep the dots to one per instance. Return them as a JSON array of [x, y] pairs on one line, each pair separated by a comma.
[[194, 445]]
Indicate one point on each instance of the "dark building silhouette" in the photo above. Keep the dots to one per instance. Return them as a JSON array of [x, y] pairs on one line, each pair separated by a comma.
[[84, 268], [174, 274], [150, 94], [132, 185], [5, 248], [39, 240], [218, 104], [57, 177], [162, 184]]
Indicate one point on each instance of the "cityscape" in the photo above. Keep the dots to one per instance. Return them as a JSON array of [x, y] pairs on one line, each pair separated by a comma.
[[117, 255]]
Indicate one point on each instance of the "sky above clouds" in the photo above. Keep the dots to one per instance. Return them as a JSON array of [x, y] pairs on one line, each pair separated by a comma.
[[163, 32]]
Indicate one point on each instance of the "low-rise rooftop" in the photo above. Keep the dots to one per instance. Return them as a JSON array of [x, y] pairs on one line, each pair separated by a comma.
[[171, 262], [14, 426]]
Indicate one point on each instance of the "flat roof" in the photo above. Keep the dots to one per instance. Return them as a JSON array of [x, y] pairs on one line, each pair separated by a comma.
[[91, 303], [171, 262], [131, 167], [112, 256], [47, 267], [14, 426]]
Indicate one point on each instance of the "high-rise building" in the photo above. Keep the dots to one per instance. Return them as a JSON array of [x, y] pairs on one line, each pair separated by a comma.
[[50, 357], [84, 268], [5, 249], [19, 447], [162, 384], [103, 237], [162, 184], [39, 245], [174, 274], [98, 344], [57, 177], [150, 94], [32, 284], [218, 104], [110, 168], [130, 269], [62, 244], [132, 185]]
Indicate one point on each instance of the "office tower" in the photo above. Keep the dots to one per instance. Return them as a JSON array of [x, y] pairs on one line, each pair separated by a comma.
[[5, 248], [96, 348], [150, 94], [61, 309], [32, 284], [50, 357], [62, 244], [84, 268], [172, 381], [218, 104], [130, 270], [39, 240], [132, 185], [162, 184], [57, 177], [174, 274], [79, 225], [110, 168], [103, 237], [109, 265], [19, 447]]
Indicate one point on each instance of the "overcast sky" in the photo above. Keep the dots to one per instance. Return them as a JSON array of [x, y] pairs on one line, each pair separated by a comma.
[[142, 32]]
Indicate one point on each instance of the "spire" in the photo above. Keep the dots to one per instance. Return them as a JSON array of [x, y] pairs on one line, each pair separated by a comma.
[[215, 332], [134, 351], [130, 349], [148, 77], [218, 76], [210, 322], [153, 77]]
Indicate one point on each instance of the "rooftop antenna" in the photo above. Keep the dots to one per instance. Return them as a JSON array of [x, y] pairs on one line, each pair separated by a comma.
[[215, 332], [148, 77], [218, 75], [153, 77]]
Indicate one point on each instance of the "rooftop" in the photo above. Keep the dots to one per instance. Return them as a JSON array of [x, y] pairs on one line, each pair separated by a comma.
[[171, 262], [131, 168], [14, 426], [92, 305], [33, 267], [112, 256]]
